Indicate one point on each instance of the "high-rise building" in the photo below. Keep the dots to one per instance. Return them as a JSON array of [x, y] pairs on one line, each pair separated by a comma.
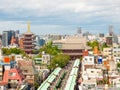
[[6, 37], [111, 30], [101, 34], [1, 36], [28, 41], [0, 50]]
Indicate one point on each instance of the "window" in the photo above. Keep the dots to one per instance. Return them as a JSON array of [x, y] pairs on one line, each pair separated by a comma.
[[26, 71], [88, 78], [90, 59], [12, 74], [92, 71]]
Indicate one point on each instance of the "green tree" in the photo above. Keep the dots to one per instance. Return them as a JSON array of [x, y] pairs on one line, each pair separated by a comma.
[[52, 50], [8, 51], [118, 65], [59, 60], [104, 45], [93, 44]]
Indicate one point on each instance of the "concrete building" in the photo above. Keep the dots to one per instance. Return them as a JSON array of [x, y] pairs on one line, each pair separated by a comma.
[[109, 40], [88, 60], [117, 60], [108, 52], [1, 72], [1, 55], [116, 52], [7, 36], [28, 71], [46, 59]]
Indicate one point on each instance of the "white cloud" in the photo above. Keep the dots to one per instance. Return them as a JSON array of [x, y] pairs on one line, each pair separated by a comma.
[[57, 5], [66, 11], [37, 29]]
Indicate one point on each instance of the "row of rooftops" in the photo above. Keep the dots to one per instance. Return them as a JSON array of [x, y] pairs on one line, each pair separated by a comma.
[[46, 84]]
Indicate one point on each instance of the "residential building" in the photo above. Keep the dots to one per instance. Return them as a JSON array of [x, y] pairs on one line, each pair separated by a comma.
[[28, 70], [109, 40], [46, 59], [1, 72], [13, 78], [117, 60], [108, 52], [85, 53], [88, 60], [101, 34], [21, 40], [116, 52]]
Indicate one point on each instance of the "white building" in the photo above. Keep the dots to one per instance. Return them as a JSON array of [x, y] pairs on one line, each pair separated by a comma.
[[46, 58], [18, 57], [116, 59], [88, 60], [116, 52]]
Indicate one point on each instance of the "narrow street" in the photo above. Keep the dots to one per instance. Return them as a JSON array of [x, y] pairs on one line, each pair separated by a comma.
[[63, 82]]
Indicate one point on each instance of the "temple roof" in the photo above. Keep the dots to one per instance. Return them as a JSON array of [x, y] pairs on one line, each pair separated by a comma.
[[73, 46]]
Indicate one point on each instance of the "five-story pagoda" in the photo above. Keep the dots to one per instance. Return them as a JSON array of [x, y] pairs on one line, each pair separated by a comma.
[[28, 41]]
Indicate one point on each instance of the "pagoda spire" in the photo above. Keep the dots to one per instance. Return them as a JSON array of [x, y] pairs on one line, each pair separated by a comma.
[[28, 26]]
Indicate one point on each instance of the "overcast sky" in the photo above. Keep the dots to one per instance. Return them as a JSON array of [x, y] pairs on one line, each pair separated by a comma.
[[60, 16]]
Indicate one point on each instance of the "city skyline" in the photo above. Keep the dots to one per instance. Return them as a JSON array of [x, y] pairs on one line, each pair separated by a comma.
[[59, 17]]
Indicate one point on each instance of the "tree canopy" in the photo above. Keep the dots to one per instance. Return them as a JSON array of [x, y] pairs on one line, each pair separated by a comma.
[[8, 51], [118, 65], [59, 60], [93, 44], [104, 45], [52, 50]]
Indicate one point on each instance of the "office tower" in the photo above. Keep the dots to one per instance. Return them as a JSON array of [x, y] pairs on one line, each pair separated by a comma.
[[0, 49], [111, 30], [6, 37]]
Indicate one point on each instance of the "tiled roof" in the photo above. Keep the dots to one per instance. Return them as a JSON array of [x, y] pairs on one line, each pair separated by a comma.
[[11, 74], [73, 46], [2, 83], [25, 63], [30, 69]]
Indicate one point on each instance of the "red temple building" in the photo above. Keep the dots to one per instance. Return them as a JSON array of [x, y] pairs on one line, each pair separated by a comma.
[[28, 41], [73, 46]]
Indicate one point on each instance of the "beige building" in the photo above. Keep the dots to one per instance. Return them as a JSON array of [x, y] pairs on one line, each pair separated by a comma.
[[1, 73], [115, 45], [46, 59], [116, 52], [108, 53], [28, 71]]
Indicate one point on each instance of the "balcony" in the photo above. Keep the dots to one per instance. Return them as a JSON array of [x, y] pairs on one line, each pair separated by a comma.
[[28, 38], [28, 49], [28, 41], [1, 73], [28, 45]]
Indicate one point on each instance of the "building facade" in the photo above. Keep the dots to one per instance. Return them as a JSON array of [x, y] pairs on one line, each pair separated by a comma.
[[6, 37]]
